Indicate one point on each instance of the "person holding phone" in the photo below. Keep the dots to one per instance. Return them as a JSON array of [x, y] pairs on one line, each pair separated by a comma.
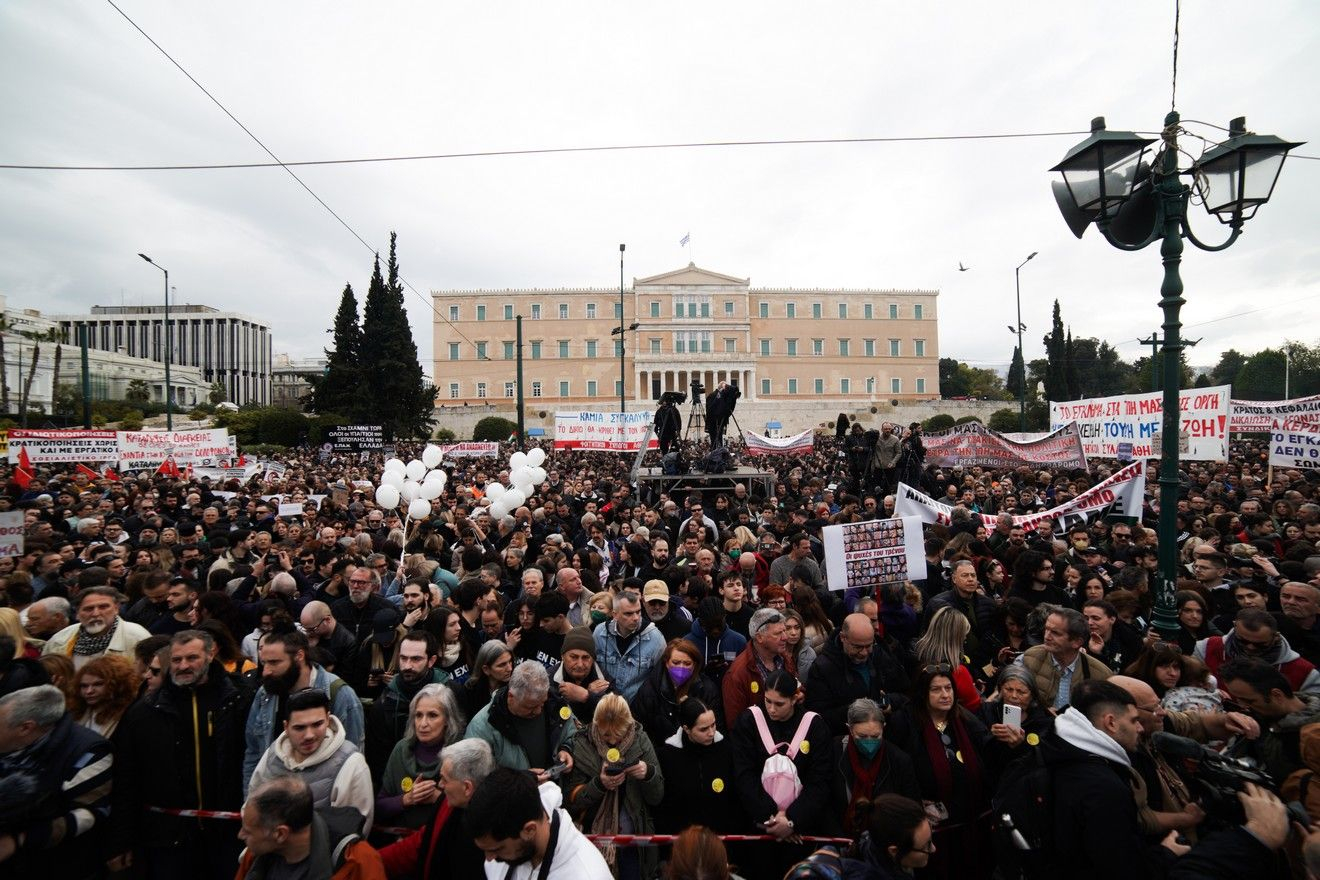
[[1013, 715]]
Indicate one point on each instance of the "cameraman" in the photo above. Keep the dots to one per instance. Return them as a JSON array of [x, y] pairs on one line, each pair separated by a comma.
[[1264, 691], [1097, 833]]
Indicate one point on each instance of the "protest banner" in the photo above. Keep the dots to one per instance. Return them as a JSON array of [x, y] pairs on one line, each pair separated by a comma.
[[11, 533], [1122, 495], [1104, 422], [974, 444], [798, 444], [1294, 444], [878, 551], [1260, 415], [610, 431], [274, 471], [139, 450], [471, 449], [63, 447], [289, 509], [220, 474], [356, 438]]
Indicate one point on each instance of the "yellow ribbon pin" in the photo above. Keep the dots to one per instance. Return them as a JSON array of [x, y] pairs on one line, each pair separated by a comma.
[[806, 747], [756, 688], [717, 785], [564, 712], [612, 756], [1033, 739], [958, 755], [406, 784]]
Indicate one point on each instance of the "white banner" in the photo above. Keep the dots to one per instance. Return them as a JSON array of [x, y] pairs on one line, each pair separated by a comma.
[[1105, 422], [974, 444], [611, 431], [139, 450], [11, 533], [1259, 415], [878, 551], [63, 447], [471, 449], [1121, 495], [1294, 444], [798, 444]]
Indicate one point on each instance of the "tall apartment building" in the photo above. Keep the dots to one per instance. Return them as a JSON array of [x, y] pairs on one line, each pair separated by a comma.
[[780, 344], [230, 348]]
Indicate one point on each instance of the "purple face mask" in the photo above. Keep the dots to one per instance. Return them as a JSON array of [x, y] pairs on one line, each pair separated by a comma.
[[679, 675]]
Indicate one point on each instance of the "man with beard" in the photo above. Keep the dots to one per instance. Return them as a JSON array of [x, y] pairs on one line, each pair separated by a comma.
[[179, 600], [670, 617], [387, 719], [285, 668], [415, 600], [358, 609], [53, 769], [509, 822], [99, 629], [180, 747]]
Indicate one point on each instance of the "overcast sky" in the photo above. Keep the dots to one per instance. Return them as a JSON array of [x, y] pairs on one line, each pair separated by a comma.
[[78, 85]]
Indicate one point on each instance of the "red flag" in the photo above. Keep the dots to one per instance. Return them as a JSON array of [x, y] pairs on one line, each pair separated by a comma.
[[23, 473], [242, 461], [110, 474], [168, 467], [87, 472], [23, 461]]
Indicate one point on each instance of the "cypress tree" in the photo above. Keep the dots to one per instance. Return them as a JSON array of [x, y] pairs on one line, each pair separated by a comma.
[[336, 391], [393, 389], [1056, 379], [1070, 368], [1016, 374]]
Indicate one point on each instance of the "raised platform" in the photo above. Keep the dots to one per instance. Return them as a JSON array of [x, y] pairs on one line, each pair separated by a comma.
[[760, 484]]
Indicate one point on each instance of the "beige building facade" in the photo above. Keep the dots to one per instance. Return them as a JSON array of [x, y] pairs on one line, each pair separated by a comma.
[[778, 344]]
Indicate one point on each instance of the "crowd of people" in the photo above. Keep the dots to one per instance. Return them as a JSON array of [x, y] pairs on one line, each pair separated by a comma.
[[192, 685]]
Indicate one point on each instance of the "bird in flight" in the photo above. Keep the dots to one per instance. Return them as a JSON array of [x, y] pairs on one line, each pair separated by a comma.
[[962, 268]]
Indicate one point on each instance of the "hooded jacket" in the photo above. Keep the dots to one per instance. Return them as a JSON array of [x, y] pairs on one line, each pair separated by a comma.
[[1303, 677], [261, 729], [627, 665], [336, 772], [717, 654]]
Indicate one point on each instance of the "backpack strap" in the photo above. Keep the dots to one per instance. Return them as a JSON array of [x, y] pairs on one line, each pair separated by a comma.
[[766, 739], [341, 851], [801, 734], [335, 687]]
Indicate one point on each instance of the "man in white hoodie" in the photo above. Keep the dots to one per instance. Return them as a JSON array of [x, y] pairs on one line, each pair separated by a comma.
[[315, 748]]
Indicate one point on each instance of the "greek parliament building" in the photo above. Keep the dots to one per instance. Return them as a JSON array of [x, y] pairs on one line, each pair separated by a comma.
[[780, 344], [228, 347]]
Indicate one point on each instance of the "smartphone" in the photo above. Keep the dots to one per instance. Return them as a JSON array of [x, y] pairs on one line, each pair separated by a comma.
[[619, 767], [1012, 717], [556, 770]]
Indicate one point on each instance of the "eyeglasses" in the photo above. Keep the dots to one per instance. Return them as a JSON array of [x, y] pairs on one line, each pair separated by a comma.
[[153, 671], [362, 582], [938, 669], [862, 647], [928, 849]]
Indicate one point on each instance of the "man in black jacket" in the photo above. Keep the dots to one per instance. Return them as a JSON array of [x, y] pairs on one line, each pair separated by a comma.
[[852, 665], [181, 747], [982, 644]]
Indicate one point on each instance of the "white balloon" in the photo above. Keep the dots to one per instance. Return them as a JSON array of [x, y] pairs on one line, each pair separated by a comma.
[[526, 488], [394, 464], [520, 475], [440, 477], [495, 491], [431, 475], [432, 489], [420, 509], [536, 457], [415, 470], [517, 460], [431, 455], [392, 478], [498, 509], [411, 491], [387, 496], [538, 475], [514, 498]]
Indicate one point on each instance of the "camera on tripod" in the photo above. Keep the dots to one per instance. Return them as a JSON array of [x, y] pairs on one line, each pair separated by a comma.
[[697, 389]]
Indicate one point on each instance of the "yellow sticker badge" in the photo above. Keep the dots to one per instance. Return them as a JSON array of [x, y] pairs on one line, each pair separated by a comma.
[[612, 756], [806, 747], [958, 755], [406, 784], [564, 712], [717, 785], [756, 688], [1033, 739]]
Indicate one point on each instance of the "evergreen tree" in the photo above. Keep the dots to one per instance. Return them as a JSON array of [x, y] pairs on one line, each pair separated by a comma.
[[1056, 378], [393, 389], [1016, 376], [1070, 368], [337, 390]]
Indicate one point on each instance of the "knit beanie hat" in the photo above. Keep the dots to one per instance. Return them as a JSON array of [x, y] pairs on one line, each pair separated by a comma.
[[579, 638]]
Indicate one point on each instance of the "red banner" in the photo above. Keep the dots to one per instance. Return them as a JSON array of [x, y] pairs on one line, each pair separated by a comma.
[[974, 444]]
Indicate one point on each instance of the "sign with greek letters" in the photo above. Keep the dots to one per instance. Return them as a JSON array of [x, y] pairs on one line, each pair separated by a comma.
[[1105, 422]]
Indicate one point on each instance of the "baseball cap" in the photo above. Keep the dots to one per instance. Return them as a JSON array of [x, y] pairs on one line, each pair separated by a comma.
[[655, 590]]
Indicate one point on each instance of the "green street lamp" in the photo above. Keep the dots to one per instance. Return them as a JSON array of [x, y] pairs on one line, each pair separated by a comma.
[[1135, 204]]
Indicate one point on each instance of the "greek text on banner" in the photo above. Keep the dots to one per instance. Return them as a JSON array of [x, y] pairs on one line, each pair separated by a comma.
[[1105, 422], [974, 444], [610, 431], [1294, 444]]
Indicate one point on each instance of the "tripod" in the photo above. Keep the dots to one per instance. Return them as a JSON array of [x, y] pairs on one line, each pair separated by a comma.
[[696, 418]]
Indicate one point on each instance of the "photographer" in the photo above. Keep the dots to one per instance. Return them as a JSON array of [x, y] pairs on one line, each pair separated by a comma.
[[1264, 691], [668, 422]]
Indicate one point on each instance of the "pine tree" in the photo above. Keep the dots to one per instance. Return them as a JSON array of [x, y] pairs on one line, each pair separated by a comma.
[[1056, 379], [338, 389], [393, 389], [1016, 374], [1070, 372]]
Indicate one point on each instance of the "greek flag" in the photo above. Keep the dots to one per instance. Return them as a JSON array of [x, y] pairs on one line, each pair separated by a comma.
[[684, 240]]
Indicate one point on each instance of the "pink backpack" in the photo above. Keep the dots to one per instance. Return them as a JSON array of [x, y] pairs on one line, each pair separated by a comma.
[[779, 775]]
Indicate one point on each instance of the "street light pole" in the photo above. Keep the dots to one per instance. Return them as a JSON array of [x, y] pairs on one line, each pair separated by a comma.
[[622, 406], [1022, 385], [1135, 204], [169, 345]]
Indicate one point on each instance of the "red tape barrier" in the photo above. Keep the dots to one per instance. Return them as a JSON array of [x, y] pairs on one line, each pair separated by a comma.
[[616, 839]]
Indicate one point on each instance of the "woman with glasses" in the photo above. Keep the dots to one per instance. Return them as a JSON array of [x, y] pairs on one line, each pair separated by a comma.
[[865, 767], [949, 748]]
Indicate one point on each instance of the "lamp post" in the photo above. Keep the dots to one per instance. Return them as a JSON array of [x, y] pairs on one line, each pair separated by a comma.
[[169, 346], [1134, 204], [1022, 385], [622, 406]]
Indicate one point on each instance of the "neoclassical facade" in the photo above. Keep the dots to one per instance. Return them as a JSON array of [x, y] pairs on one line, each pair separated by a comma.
[[779, 344]]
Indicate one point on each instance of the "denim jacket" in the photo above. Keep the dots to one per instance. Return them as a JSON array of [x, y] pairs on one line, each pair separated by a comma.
[[627, 669], [262, 728]]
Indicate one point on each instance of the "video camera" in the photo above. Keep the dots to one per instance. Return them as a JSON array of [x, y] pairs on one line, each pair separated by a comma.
[[1220, 777], [697, 389], [676, 398]]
